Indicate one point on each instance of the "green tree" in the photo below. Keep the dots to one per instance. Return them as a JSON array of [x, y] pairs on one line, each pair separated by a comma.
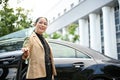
[[71, 33], [55, 35], [65, 37], [12, 20]]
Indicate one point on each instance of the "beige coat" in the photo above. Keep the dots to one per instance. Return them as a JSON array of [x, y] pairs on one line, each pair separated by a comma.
[[36, 68]]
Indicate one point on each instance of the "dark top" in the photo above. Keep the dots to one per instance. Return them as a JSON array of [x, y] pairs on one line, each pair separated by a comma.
[[46, 48]]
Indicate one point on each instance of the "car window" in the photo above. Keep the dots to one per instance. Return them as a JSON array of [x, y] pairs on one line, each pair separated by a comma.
[[81, 55], [62, 51], [10, 46]]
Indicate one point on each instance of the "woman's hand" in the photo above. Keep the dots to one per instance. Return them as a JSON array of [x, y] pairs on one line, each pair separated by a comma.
[[25, 53]]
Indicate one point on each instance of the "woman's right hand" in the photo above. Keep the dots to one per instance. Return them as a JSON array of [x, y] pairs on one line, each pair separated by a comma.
[[25, 52]]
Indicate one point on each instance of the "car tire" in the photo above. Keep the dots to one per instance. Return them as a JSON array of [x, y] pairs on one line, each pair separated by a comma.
[[4, 74]]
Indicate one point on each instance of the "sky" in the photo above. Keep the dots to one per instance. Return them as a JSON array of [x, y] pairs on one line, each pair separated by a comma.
[[38, 7]]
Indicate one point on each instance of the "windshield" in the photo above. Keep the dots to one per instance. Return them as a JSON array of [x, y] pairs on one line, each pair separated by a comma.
[[11, 46]]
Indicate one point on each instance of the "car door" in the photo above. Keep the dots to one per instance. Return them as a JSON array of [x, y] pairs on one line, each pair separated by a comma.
[[69, 61], [9, 64], [9, 58], [22, 69]]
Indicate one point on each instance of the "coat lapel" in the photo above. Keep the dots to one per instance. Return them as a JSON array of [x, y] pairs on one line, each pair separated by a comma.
[[37, 39]]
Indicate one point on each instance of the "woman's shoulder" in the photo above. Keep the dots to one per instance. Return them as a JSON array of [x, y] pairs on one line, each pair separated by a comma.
[[28, 37]]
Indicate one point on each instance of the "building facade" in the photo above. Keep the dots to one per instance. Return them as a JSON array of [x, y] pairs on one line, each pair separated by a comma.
[[98, 20]]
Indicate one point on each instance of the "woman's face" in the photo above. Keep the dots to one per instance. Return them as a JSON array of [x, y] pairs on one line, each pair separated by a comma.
[[41, 26]]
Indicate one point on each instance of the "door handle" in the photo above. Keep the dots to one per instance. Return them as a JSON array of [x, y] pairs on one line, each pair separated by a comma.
[[78, 65]]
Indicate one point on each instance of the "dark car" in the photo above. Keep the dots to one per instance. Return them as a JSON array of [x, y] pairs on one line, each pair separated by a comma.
[[72, 61]]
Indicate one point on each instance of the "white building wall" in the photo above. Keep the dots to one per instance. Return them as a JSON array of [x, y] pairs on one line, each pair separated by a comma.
[[60, 9]]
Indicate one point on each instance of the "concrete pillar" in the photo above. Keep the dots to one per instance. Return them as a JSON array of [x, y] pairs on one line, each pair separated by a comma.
[[63, 31], [109, 31], [95, 36], [83, 32]]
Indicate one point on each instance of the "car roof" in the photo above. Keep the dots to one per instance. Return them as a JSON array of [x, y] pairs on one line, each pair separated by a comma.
[[89, 51]]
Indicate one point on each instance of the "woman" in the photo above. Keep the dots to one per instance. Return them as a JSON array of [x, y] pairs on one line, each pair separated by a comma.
[[37, 50]]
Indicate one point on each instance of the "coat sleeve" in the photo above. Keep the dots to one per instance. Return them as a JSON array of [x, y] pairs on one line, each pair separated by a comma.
[[27, 44]]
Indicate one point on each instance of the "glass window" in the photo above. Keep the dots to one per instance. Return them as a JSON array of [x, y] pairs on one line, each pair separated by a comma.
[[116, 14], [117, 29], [116, 21], [81, 55], [118, 35], [118, 49], [62, 51], [10, 46], [65, 10], [72, 5]]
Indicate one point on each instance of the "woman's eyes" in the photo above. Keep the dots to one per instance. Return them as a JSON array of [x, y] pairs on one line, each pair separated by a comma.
[[43, 23]]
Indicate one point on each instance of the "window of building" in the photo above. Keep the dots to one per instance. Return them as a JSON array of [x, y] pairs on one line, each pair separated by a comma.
[[65, 10], [116, 21], [118, 36], [118, 48], [117, 28], [117, 25], [72, 5], [58, 14], [102, 33], [53, 18], [116, 13]]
